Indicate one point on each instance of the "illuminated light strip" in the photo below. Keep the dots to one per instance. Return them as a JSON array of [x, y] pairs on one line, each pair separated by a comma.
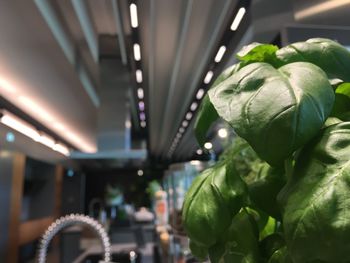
[[319, 8], [240, 14], [17, 124], [140, 93], [208, 77], [133, 16], [138, 76], [30, 131], [35, 108], [6, 86], [137, 52], [220, 54]]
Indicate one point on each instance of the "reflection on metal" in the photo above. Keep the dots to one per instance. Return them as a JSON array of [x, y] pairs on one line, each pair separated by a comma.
[[69, 220]]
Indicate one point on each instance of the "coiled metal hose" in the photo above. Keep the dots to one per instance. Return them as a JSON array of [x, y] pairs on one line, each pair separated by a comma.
[[69, 220]]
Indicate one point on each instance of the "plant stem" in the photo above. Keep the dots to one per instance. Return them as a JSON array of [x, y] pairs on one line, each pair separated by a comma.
[[288, 166]]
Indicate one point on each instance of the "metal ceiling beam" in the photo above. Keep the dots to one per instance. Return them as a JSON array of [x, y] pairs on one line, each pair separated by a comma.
[[65, 41], [174, 76], [197, 77], [151, 76], [119, 24], [87, 25]]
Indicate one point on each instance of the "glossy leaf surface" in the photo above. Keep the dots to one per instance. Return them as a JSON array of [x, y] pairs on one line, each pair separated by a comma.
[[207, 114], [329, 55], [275, 110], [212, 200], [316, 200], [239, 243]]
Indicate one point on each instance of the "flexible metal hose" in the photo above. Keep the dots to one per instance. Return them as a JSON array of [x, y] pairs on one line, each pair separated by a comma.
[[69, 220]]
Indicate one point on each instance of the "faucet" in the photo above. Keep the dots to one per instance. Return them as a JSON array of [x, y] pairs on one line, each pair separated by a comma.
[[69, 220]]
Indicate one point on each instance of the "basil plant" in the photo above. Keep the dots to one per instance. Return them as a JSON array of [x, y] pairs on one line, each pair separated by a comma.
[[281, 191]]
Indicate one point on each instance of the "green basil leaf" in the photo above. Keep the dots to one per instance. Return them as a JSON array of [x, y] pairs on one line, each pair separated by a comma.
[[213, 198], [264, 188], [281, 256], [275, 110], [342, 101], [207, 114], [257, 52], [315, 201], [239, 244], [329, 55], [200, 252], [270, 244]]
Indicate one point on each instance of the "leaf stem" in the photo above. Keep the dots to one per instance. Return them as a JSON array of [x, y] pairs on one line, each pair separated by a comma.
[[288, 166]]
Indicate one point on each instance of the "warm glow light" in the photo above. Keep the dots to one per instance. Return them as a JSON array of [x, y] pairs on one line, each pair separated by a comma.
[[189, 115], [128, 124], [194, 106], [143, 124], [6, 86], [140, 93], [35, 108], [238, 19], [326, 6], [59, 126], [142, 116], [141, 106], [17, 124], [46, 140], [208, 145], [61, 149], [195, 162], [137, 52], [133, 16], [74, 139], [30, 131], [220, 54], [208, 77], [138, 76], [200, 94], [222, 133]]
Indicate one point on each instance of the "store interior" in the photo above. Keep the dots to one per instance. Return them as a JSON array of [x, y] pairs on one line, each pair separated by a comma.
[[99, 100]]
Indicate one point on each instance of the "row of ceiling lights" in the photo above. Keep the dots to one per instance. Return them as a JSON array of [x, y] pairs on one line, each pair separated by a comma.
[[17, 124], [43, 115], [138, 72], [201, 92]]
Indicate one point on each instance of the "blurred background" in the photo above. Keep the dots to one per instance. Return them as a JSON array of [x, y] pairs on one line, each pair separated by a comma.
[[97, 105]]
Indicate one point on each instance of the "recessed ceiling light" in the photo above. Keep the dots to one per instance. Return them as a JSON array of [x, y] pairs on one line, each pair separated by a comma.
[[137, 52], [133, 16], [139, 172], [208, 145], [143, 124], [181, 130], [138, 76], [189, 115], [140, 93], [194, 106], [220, 54], [199, 151], [208, 77], [238, 18], [142, 116], [185, 123], [200, 94], [222, 133], [141, 106]]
